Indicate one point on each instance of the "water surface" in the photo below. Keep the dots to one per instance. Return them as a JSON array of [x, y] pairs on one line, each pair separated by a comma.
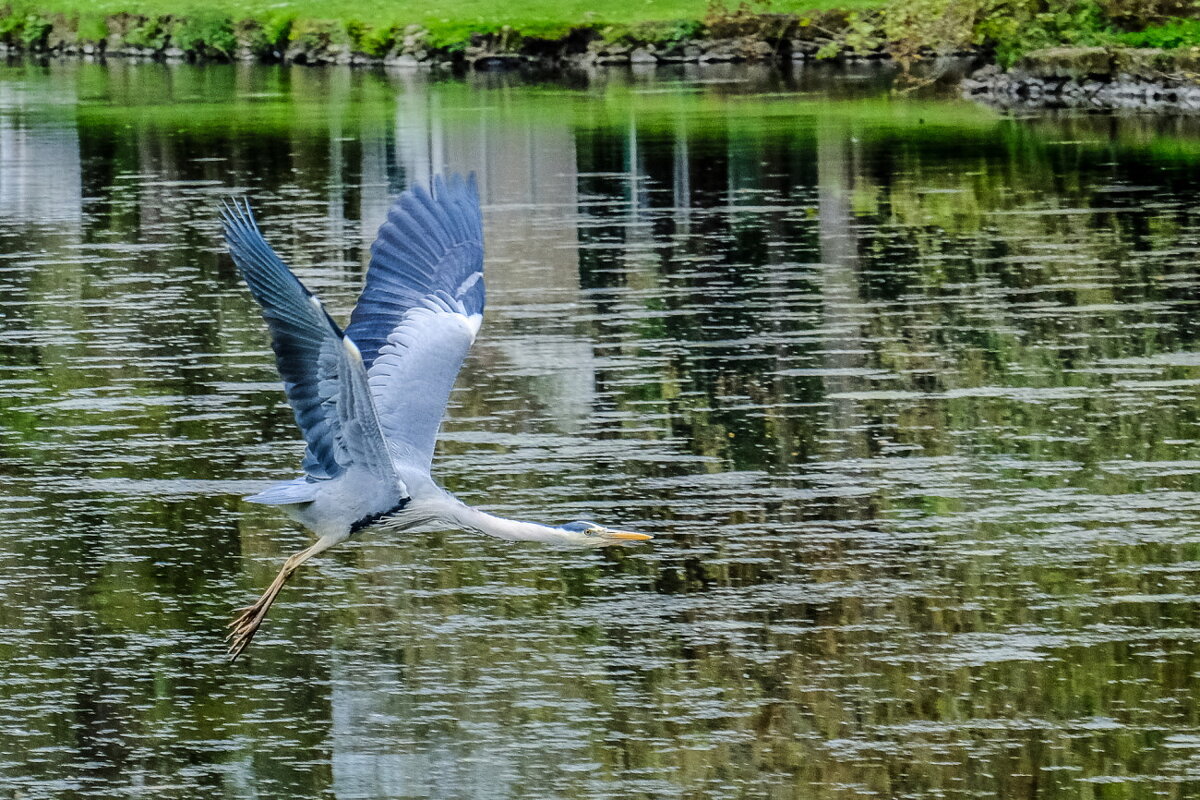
[[907, 392]]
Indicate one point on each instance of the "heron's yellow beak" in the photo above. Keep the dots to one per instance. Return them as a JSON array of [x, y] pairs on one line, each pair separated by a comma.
[[627, 536]]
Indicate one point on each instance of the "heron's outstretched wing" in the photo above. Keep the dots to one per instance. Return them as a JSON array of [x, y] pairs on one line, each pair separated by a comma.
[[322, 369], [420, 310]]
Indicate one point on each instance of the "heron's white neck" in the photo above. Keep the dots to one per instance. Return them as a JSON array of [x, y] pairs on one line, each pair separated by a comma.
[[472, 519]]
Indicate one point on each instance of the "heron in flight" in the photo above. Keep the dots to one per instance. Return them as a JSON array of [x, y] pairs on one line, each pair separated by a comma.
[[369, 399]]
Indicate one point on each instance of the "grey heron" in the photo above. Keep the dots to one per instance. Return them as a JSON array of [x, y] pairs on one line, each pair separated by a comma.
[[369, 399]]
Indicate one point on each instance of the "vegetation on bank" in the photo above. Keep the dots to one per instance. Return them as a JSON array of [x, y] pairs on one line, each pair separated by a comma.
[[1007, 29], [216, 29], [426, 29]]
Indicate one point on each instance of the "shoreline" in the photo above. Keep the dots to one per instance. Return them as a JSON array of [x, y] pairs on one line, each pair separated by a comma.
[[1095, 77], [723, 36], [1092, 78]]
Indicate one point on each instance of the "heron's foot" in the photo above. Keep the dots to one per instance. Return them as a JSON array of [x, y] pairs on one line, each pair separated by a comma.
[[245, 625], [250, 618]]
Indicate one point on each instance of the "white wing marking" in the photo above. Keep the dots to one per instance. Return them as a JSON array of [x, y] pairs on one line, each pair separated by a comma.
[[413, 375]]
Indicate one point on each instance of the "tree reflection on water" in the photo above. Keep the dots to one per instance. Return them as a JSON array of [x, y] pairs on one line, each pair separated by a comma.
[[907, 391]]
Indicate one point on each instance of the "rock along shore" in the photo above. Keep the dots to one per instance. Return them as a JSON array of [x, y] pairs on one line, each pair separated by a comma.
[[1093, 77]]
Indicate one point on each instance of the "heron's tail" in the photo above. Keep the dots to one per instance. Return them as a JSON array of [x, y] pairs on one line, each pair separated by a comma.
[[300, 490]]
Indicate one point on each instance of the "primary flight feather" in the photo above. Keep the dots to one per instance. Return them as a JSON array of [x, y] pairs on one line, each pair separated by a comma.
[[369, 400]]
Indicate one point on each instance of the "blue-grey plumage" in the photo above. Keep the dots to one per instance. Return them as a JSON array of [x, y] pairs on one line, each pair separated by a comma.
[[369, 400]]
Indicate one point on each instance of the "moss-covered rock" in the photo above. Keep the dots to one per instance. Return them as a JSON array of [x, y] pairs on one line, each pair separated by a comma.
[[318, 41], [1148, 64], [62, 33], [739, 48], [251, 41], [119, 26], [1070, 63], [1141, 63]]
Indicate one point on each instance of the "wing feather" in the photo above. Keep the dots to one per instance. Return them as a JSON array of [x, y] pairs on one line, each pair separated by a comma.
[[428, 243], [419, 311], [322, 370], [413, 375]]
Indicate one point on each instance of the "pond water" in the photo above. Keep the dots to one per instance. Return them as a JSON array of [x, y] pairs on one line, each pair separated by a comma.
[[908, 392]]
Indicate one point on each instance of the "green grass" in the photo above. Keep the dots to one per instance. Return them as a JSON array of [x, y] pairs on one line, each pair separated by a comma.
[[1172, 34], [455, 20]]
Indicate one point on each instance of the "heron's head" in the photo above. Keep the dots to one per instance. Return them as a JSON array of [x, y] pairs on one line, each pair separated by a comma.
[[592, 533]]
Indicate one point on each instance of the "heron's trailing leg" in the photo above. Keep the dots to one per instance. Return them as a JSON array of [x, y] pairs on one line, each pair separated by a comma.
[[251, 617]]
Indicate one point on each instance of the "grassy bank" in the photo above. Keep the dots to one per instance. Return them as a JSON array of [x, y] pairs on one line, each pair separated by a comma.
[[371, 28], [446, 20], [608, 31]]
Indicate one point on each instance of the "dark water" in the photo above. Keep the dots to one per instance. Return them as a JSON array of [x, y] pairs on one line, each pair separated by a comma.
[[907, 391]]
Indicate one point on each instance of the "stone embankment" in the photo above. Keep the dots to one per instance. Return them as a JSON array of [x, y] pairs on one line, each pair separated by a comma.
[[1090, 77], [1093, 77], [737, 36]]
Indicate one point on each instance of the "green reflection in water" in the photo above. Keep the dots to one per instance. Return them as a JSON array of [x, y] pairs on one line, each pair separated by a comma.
[[907, 391]]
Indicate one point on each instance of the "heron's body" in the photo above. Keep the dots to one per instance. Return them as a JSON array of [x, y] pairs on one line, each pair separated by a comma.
[[339, 511], [369, 400]]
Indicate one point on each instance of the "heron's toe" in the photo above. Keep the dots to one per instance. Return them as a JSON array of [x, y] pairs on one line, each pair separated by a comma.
[[243, 614]]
